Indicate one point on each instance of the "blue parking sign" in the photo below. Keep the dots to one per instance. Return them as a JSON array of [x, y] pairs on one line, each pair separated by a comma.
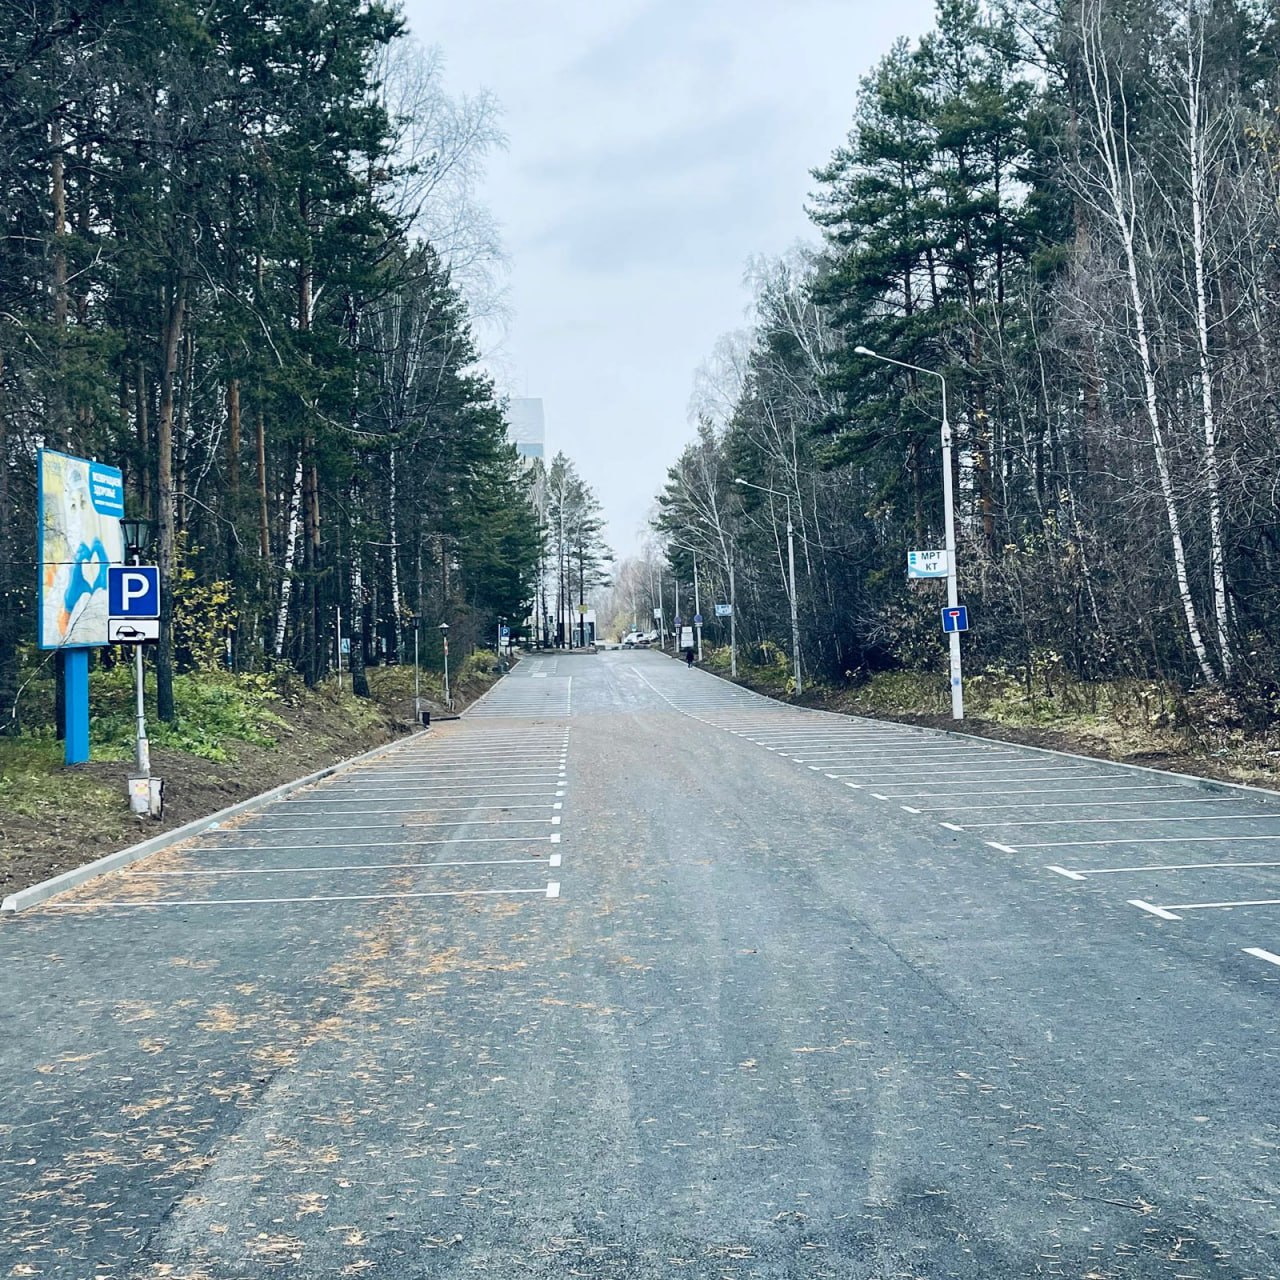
[[955, 617], [133, 591]]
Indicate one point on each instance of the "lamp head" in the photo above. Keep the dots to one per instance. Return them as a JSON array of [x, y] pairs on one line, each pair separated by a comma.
[[739, 480], [415, 620], [136, 533], [444, 627], [864, 351]]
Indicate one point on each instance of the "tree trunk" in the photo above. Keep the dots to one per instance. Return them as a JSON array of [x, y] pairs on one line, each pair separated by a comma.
[[175, 314]]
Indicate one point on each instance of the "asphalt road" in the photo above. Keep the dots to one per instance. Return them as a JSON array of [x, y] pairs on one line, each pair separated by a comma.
[[631, 973]]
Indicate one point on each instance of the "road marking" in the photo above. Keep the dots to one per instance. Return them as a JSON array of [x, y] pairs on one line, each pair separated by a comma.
[[906, 808], [1029, 771], [1171, 866], [1269, 956], [376, 844], [950, 826], [434, 808], [1091, 844], [554, 860], [1004, 848], [1116, 822], [553, 889], [396, 826], [349, 866], [1069, 804], [986, 782], [1155, 911], [877, 795], [1062, 871], [259, 902], [1224, 906]]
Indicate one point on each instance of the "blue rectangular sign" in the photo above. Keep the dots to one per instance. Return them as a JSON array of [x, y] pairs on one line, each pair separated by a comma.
[[133, 591], [955, 618]]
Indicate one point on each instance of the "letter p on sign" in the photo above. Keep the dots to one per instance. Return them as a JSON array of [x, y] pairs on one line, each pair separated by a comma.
[[133, 591]]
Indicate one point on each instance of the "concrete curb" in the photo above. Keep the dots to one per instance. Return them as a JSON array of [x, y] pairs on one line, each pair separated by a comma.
[[1183, 779], [46, 889]]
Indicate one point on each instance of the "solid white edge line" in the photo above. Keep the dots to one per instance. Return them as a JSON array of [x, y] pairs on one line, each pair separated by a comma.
[[1155, 911]]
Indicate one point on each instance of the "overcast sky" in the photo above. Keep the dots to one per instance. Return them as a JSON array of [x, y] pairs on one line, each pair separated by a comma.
[[655, 145]]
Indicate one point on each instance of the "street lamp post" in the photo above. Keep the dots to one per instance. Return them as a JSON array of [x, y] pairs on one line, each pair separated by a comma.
[[137, 533], [444, 633], [416, 619], [791, 567], [949, 527]]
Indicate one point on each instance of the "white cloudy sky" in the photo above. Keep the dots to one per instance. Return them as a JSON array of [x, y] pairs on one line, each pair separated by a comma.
[[655, 145]]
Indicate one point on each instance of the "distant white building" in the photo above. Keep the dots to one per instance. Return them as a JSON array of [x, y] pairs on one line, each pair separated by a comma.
[[527, 428]]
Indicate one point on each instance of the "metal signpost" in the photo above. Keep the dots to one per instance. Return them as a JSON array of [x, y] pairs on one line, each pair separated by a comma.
[[444, 632], [133, 596]]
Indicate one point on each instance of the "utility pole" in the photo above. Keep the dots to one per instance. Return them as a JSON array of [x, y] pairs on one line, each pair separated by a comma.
[[697, 605], [791, 569], [949, 529]]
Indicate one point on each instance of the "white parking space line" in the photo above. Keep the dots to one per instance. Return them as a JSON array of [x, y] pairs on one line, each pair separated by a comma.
[[263, 902], [986, 782], [1153, 910], [1062, 804], [375, 844], [395, 826], [1082, 873], [1269, 956], [1116, 822], [1219, 906], [412, 806], [1093, 844], [344, 866]]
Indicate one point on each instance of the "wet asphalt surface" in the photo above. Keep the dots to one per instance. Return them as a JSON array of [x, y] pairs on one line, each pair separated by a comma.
[[633, 974]]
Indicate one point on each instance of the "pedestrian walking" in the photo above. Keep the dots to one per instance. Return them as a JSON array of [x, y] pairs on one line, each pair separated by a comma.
[[688, 658]]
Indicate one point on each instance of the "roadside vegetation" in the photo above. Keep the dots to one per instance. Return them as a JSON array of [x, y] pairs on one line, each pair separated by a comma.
[[1147, 722]]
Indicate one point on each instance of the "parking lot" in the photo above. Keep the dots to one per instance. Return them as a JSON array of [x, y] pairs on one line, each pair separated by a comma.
[[1201, 855]]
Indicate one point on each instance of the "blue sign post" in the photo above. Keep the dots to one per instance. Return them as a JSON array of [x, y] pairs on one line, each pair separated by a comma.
[[955, 618]]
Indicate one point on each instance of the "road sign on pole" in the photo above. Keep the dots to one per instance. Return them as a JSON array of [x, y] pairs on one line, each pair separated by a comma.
[[697, 619], [955, 618], [927, 564], [133, 591], [724, 611]]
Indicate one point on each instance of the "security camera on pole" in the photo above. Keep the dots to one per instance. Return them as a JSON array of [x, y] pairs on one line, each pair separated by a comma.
[[955, 618]]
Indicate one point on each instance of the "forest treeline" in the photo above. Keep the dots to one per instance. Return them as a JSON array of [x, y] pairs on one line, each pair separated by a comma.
[[231, 237], [1071, 211]]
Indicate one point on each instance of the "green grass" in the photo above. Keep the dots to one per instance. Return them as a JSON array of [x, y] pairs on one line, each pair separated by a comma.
[[34, 783]]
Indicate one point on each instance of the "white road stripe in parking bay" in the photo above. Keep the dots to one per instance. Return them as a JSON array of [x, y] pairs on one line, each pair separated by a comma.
[[344, 897], [553, 860], [1063, 804], [1082, 873], [1116, 822], [375, 844], [987, 782], [1169, 912], [397, 826], [1091, 844], [1269, 956]]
